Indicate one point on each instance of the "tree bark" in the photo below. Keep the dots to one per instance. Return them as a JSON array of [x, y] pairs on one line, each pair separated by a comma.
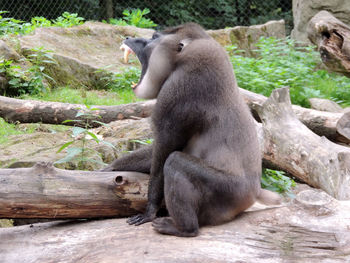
[[311, 229], [291, 146], [107, 8], [44, 191], [334, 126], [28, 111], [332, 38]]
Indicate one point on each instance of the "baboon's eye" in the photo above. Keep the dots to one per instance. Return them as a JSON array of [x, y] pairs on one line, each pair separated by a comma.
[[180, 47]]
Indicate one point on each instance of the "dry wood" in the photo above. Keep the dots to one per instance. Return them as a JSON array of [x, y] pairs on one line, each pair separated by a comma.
[[290, 145], [335, 126], [332, 38], [313, 229], [28, 111], [332, 125], [44, 191]]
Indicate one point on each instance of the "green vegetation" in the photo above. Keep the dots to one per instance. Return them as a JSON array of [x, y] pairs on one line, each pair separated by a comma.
[[135, 17], [83, 154], [32, 80], [82, 96], [15, 26], [279, 62], [7, 129], [277, 181], [121, 80]]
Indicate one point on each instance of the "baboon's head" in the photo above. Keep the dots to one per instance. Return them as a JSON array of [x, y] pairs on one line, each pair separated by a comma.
[[158, 56]]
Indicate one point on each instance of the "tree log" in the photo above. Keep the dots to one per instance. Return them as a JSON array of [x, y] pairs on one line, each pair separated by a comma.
[[290, 145], [28, 111], [44, 191], [332, 125], [332, 38], [312, 229]]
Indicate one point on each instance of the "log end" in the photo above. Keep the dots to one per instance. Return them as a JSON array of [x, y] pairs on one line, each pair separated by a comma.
[[343, 125]]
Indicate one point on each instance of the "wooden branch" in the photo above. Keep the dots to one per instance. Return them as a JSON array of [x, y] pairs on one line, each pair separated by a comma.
[[44, 191], [332, 125], [313, 228], [291, 146], [332, 38], [335, 126], [28, 111]]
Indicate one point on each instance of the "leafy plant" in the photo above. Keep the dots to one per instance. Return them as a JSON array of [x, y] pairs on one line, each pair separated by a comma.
[[39, 57], [68, 20], [82, 135], [12, 73], [279, 62], [30, 80], [135, 17], [121, 80], [40, 21], [277, 181], [15, 26]]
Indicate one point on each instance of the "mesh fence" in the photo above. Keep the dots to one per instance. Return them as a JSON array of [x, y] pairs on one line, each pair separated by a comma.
[[211, 14]]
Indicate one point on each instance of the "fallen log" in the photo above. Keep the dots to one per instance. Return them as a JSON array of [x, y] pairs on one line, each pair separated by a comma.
[[313, 228], [291, 146], [30, 111], [44, 191], [332, 38], [332, 125]]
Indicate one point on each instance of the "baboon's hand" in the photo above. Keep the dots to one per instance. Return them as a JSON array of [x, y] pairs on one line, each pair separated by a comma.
[[140, 219]]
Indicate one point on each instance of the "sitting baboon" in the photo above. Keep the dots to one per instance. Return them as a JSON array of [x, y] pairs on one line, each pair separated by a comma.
[[205, 160]]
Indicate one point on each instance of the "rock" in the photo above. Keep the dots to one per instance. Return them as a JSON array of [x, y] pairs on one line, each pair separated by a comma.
[[7, 52], [304, 10], [25, 150], [245, 37], [88, 53], [82, 51], [325, 105]]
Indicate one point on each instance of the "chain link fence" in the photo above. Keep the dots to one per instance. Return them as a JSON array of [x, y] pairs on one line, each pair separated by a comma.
[[211, 14]]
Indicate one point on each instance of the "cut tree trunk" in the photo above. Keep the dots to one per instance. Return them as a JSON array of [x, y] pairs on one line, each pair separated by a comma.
[[291, 146], [30, 111], [44, 191], [332, 38], [312, 229], [332, 125]]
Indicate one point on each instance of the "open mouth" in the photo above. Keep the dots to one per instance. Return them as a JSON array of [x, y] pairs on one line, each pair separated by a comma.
[[127, 51]]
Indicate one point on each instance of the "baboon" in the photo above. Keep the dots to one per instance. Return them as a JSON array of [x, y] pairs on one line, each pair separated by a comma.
[[205, 160]]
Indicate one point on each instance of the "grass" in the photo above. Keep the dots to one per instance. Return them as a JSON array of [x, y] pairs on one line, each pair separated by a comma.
[[81, 96], [7, 129]]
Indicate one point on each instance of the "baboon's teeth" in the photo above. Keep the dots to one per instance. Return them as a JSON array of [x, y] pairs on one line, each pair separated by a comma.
[[127, 52]]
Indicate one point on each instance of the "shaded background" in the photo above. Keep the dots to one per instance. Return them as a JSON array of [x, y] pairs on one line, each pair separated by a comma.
[[211, 14]]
